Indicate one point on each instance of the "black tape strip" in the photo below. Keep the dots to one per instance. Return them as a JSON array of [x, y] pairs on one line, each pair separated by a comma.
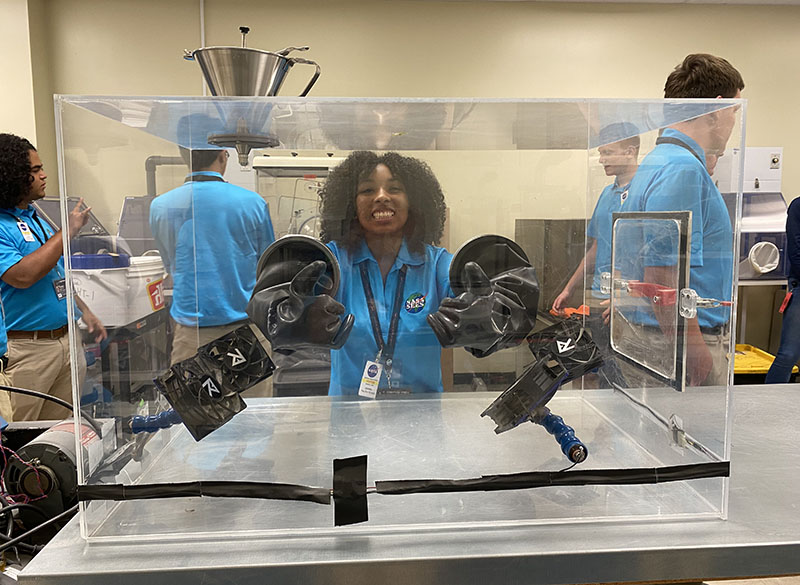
[[267, 491], [537, 479], [212, 489], [350, 490]]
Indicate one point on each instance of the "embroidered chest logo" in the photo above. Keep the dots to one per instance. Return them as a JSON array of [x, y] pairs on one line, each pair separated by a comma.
[[415, 302]]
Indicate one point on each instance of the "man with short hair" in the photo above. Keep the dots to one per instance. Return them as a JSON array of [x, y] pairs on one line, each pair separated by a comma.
[[674, 177], [33, 286], [210, 234], [619, 156]]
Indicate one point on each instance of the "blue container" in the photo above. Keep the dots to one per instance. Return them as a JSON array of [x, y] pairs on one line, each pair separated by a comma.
[[99, 261]]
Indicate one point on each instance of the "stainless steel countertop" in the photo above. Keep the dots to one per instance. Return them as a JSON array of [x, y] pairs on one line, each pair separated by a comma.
[[760, 538]]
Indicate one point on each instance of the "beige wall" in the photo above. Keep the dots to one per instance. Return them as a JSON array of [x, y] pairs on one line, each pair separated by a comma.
[[16, 97], [393, 48], [408, 48]]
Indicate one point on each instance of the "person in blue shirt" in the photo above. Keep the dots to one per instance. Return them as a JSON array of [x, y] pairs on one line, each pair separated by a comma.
[[33, 286], [620, 159], [210, 234], [619, 155], [381, 217], [675, 177], [780, 372]]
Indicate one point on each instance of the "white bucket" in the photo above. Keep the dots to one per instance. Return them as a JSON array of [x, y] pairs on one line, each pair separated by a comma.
[[120, 296], [105, 291]]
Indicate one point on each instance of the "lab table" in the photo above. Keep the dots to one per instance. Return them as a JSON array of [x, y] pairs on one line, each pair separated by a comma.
[[761, 537]]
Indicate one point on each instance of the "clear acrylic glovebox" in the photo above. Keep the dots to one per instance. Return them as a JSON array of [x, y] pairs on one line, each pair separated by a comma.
[[531, 171]]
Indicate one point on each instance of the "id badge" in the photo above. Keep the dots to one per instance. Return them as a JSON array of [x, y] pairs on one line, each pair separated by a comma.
[[370, 380], [60, 286], [26, 232]]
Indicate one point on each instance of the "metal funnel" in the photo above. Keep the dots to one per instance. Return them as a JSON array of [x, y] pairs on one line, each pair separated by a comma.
[[241, 71]]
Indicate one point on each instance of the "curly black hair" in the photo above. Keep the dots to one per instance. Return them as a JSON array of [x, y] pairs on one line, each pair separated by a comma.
[[426, 212], [15, 169]]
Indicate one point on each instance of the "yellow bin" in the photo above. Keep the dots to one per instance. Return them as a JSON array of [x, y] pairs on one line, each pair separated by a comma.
[[750, 365]]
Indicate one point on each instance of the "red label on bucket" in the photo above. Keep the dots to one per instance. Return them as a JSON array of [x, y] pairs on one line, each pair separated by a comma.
[[155, 291]]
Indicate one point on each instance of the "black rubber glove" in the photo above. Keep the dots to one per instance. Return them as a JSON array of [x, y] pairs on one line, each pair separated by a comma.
[[491, 314], [521, 285], [519, 289], [291, 316]]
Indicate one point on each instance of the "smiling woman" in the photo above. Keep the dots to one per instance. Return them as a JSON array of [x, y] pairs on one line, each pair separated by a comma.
[[381, 217], [381, 204], [426, 207]]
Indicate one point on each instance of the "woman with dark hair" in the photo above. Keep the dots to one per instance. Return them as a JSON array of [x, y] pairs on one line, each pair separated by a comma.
[[382, 216]]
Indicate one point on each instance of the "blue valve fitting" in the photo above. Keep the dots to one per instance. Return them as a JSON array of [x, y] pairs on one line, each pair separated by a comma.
[[571, 445], [154, 422]]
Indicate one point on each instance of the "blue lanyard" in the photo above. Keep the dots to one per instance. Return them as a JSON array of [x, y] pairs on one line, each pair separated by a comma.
[[385, 350], [682, 144]]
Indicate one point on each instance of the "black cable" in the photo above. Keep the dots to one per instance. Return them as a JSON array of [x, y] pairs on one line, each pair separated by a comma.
[[28, 548], [12, 507], [94, 424], [14, 541], [213, 489], [537, 479], [10, 526]]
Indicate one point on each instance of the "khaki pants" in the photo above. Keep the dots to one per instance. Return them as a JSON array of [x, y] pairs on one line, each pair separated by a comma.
[[5, 399], [186, 340], [42, 365]]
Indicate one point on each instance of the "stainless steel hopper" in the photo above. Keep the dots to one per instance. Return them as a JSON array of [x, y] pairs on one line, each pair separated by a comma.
[[242, 71]]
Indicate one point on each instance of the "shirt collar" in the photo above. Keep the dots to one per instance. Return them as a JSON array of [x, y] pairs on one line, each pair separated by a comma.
[[618, 187], [205, 174], [404, 256], [690, 142], [17, 212]]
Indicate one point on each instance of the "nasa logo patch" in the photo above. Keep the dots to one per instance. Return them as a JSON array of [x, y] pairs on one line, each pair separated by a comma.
[[415, 302]]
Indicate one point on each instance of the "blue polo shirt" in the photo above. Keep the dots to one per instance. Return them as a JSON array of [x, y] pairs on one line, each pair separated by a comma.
[[417, 358], [210, 235], [612, 199], [36, 308], [673, 178]]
